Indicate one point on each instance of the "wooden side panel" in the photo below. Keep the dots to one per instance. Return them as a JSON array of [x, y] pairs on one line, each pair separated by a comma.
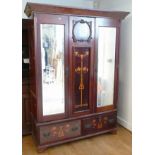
[[26, 120], [26, 47]]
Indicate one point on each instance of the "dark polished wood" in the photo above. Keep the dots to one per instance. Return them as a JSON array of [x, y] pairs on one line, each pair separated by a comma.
[[82, 118], [26, 119], [50, 19], [74, 118], [85, 46], [102, 22], [55, 9], [56, 132], [60, 131]]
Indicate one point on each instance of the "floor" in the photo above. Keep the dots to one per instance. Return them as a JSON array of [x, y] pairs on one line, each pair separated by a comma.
[[106, 144]]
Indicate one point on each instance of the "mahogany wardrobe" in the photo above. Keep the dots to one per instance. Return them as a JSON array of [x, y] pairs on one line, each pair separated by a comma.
[[74, 62]]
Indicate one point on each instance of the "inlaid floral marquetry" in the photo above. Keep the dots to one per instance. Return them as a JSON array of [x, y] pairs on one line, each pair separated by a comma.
[[81, 57], [60, 131], [98, 123], [81, 70]]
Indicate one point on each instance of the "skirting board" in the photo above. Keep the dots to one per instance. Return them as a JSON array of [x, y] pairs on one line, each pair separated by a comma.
[[124, 123]]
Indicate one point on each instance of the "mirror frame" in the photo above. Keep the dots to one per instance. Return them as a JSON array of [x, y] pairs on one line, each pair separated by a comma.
[[89, 24], [105, 22], [50, 19], [49, 79]]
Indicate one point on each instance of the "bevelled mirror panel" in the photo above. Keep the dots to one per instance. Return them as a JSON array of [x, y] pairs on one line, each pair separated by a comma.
[[106, 63], [52, 55], [81, 31]]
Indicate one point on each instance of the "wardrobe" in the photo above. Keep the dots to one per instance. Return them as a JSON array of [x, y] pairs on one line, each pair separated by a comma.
[[74, 66]]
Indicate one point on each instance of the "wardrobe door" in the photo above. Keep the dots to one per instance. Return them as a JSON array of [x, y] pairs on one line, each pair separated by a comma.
[[106, 64], [81, 64], [52, 66]]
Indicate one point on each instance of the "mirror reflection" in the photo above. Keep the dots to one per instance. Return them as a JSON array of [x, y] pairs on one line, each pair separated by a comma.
[[52, 54], [106, 63], [81, 31]]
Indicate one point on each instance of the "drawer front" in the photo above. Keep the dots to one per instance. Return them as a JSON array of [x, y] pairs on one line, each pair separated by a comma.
[[99, 123], [62, 131]]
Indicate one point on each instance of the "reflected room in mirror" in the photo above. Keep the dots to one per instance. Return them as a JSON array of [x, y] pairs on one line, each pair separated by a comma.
[[106, 63], [52, 54], [82, 31]]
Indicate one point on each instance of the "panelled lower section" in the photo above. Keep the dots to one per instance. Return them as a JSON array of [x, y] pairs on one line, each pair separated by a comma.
[[99, 123], [61, 131], [71, 129]]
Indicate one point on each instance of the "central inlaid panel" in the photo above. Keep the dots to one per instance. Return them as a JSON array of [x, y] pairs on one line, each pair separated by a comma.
[[81, 70]]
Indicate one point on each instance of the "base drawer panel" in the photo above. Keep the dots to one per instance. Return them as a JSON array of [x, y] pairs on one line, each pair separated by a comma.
[[99, 123], [61, 131]]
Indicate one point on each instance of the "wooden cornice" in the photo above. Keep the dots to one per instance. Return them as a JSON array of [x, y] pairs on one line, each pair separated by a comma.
[[55, 9]]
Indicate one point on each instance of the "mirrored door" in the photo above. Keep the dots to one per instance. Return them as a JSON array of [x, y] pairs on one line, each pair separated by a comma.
[[52, 60], [52, 77], [106, 66]]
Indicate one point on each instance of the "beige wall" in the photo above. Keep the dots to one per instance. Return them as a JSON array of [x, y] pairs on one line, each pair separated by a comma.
[[125, 66]]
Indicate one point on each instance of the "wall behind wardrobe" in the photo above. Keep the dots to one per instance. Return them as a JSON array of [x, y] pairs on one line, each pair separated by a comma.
[[125, 65], [74, 3]]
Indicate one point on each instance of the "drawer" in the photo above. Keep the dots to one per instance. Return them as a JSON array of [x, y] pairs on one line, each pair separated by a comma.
[[61, 131], [99, 123]]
